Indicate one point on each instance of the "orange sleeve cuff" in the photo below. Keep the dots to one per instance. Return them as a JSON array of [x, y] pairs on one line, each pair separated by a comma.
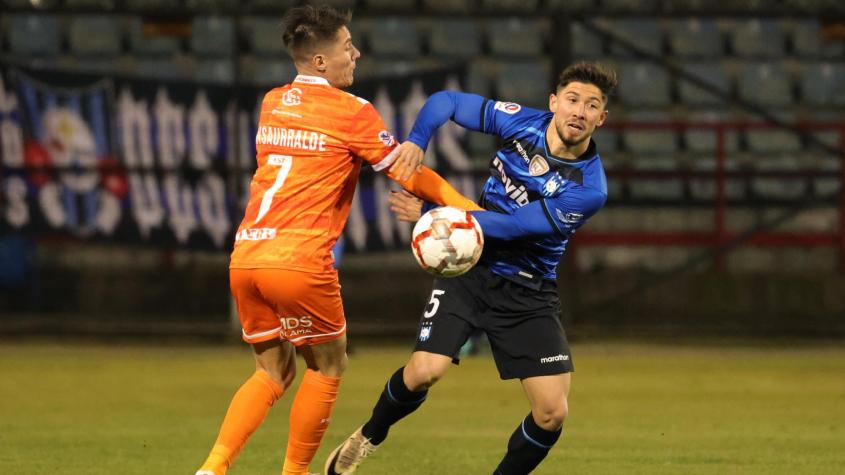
[[430, 186]]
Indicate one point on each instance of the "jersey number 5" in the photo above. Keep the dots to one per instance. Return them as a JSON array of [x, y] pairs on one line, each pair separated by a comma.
[[284, 163], [435, 303]]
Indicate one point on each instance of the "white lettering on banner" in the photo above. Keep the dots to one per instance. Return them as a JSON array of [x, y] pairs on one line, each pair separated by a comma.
[[17, 210], [136, 140], [170, 125], [291, 138], [108, 213], [180, 207], [11, 134], [211, 200], [146, 202], [202, 124], [49, 198], [255, 234], [158, 132]]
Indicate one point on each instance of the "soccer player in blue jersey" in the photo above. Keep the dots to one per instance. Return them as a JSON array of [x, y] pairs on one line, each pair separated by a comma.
[[546, 181]]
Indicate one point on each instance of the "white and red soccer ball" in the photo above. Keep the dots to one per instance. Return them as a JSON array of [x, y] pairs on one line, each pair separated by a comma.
[[447, 241]]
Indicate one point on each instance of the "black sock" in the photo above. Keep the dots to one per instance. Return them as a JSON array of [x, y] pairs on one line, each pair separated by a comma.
[[527, 447], [395, 402]]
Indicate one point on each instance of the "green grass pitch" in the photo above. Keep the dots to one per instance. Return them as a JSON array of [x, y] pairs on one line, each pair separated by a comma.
[[635, 408]]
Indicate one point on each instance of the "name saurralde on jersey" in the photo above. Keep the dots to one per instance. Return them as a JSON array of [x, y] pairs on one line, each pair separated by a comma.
[[292, 138]]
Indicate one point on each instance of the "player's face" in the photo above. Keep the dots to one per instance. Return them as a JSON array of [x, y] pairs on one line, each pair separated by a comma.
[[579, 109], [340, 58]]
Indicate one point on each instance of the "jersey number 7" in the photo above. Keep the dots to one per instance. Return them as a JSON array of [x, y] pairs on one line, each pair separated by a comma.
[[284, 163]]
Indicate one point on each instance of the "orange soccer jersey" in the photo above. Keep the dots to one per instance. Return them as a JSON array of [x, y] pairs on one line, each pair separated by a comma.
[[310, 144]]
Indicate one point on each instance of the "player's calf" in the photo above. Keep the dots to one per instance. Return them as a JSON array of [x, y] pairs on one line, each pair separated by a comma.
[[527, 447]]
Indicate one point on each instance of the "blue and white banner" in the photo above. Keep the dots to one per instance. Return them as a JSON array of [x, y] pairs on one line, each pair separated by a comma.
[[168, 164]]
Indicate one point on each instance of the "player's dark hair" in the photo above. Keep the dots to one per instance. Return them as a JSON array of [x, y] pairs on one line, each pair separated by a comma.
[[307, 26], [596, 74]]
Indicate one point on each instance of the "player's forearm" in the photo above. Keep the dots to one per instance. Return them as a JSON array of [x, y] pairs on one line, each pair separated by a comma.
[[527, 221], [464, 109], [430, 186]]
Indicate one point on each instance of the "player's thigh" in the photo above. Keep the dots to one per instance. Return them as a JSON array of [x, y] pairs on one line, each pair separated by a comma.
[[529, 346], [308, 306], [257, 316]]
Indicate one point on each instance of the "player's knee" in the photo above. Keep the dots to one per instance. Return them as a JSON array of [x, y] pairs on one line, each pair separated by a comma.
[[421, 375], [550, 414], [334, 367]]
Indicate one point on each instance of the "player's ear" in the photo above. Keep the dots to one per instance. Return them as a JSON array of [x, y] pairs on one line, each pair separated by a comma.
[[602, 118], [319, 62], [552, 101]]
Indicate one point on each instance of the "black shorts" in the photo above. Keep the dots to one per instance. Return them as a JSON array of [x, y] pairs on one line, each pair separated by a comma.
[[521, 323]]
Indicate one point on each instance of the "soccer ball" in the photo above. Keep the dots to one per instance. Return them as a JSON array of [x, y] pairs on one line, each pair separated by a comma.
[[447, 241]]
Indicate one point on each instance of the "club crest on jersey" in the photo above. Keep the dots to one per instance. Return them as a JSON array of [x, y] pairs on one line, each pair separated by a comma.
[[538, 166], [552, 185], [386, 138], [507, 107], [569, 218], [291, 97]]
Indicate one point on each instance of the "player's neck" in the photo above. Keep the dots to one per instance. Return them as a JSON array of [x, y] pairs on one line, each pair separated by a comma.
[[558, 147], [306, 70]]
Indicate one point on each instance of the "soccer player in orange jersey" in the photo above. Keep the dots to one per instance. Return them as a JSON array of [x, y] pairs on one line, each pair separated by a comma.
[[312, 140]]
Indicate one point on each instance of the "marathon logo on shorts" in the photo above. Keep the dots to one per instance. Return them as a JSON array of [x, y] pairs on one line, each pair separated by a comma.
[[507, 107], [554, 359], [256, 234], [296, 326]]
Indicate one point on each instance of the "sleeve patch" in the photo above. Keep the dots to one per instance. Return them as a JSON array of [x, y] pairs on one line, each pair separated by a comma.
[[569, 218], [507, 107], [386, 138]]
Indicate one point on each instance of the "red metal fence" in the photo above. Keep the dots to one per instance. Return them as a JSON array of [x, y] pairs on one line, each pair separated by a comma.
[[719, 235]]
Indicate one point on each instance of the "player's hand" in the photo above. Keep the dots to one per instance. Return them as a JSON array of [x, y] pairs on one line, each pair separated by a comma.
[[409, 157], [405, 206]]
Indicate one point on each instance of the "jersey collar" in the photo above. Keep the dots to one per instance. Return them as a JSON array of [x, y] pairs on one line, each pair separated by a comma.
[[311, 80], [587, 155]]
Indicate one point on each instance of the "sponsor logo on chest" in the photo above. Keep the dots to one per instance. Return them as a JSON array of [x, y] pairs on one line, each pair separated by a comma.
[[515, 191]]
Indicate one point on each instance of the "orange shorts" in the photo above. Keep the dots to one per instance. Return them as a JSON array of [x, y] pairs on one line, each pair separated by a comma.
[[300, 307]]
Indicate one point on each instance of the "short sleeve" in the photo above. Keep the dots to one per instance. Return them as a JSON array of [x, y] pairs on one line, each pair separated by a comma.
[[370, 139]]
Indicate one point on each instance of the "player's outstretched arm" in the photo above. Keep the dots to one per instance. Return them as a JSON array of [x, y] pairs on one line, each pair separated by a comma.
[[431, 187], [409, 157], [462, 108], [544, 217]]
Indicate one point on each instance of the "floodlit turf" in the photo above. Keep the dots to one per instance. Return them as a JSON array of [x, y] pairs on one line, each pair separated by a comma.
[[636, 408]]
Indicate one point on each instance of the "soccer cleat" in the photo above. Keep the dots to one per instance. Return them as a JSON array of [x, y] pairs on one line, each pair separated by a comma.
[[205, 472], [348, 455]]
